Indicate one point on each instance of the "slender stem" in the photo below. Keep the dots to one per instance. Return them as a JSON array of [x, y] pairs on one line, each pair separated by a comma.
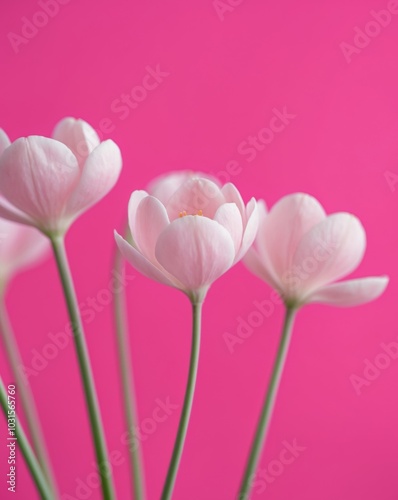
[[25, 395], [27, 452], [269, 404], [85, 368], [186, 410], [126, 372]]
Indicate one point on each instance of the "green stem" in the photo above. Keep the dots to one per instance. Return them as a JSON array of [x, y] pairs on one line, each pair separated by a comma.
[[269, 404], [85, 368], [186, 410], [25, 395], [126, 371], [27, 452]]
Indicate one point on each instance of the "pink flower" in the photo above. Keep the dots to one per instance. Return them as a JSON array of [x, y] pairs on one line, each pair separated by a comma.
[[20, 247], [301, 252], [48, 183], [164, 186], [190, 233]]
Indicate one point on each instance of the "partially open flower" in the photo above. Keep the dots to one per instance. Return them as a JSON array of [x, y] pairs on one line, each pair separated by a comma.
[[190, 233], [301, 252], [48, 183]]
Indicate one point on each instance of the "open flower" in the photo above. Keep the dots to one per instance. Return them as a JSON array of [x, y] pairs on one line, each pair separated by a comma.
[[48, 183], [190, 233], [301, 252]]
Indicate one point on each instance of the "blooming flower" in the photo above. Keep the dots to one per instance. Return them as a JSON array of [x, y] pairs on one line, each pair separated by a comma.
[[301, 252], [188, 232], [49, 182]]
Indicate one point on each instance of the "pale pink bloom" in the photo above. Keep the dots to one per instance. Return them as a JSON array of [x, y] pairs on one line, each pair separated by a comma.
[[20, 247], [301, 252], [48, 183], [164, 186], [188, 236]]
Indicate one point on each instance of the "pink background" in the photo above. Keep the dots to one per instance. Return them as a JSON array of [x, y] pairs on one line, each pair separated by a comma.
[[223, 74]]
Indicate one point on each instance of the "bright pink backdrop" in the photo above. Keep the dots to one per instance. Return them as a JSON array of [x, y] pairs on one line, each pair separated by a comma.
[[221, 76]]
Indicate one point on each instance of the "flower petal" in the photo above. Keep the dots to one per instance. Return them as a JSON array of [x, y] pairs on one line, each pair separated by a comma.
[[151, 219], [37, 177], [232, 195], [8, 211], [196, 195], [100, 173], [196, 250], [135, 199], [78, 135], [255, 264], [329, 251], [250, 232], [4, 141], [20, 247], [164, 186], [260, 246], [139, 262], [286, 223], [229, 216], [351, 292]]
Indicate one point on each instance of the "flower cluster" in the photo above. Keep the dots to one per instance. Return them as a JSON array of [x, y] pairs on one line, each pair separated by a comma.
[[185, 231]]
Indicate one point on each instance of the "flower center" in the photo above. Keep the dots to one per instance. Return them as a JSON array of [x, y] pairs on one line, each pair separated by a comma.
[[184, 213]]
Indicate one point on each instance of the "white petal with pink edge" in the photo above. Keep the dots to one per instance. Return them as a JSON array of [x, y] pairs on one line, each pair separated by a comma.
[[329, 251], [351, 292], [99, 175], [150, 220], [286, 224], [139, 262], [195, 250], [78, 135], [4, 141], [195, 196], [229, 216], [37, 176], [250, 231]]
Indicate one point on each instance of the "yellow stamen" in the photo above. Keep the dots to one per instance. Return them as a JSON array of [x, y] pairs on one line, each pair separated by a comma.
[[200, 212]]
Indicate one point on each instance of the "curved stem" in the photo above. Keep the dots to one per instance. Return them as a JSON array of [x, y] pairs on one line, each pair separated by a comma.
[[186, 410], [27, 452], [126, 372], [269, 404], [85, 368], [26, 396]]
